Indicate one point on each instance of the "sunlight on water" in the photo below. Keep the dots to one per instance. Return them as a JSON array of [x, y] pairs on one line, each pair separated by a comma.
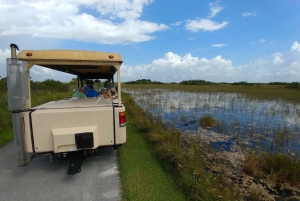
[[251, 123]]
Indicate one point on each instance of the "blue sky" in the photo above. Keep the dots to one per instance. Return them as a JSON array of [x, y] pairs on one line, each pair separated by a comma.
[[168, 41]]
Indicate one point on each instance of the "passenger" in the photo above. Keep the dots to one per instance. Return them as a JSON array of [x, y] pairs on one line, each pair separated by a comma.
[[108, 84], [106, 94], [79, 93], [88, 84], [91, 92]]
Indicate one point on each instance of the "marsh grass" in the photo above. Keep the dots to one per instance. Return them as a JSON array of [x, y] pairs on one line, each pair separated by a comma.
[[180, 158], [207, 121], [278, 167], [261, 91]]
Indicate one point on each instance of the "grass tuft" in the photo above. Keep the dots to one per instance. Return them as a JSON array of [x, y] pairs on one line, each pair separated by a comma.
[[278, 167], [207, 121]]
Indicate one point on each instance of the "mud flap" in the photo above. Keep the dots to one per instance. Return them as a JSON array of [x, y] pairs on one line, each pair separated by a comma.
[[76, 161]]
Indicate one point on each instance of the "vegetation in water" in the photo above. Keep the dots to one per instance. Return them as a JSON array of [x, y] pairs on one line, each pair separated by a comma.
[[207, 121]]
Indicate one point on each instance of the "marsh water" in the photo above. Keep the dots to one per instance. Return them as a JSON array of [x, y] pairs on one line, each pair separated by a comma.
[[265, 125]]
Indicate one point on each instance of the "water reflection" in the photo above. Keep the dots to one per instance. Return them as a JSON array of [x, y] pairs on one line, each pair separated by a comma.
[[252, 123]]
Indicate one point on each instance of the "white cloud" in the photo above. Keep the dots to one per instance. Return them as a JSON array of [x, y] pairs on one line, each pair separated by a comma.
[[249, 14], [204, 25], [116, 21], [4, 54], [214, 9], [173, 66], [295, 47], [284, 67], [218, 45], [277, 60], [262, 40]]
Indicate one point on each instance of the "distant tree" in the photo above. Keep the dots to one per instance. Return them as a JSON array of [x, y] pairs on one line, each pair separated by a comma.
[[293, 85], [144, 81], [243, 83], [196, 82], [277, 83]]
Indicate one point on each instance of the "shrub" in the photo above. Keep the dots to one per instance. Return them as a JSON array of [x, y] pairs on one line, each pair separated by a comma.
[[293, 85], [49, 85]]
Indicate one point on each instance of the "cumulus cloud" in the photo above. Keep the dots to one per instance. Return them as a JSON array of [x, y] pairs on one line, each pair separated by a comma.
[[214, 8], [204, 25], [115, 22], [4, 54], [249, 14], [218, 45], [295, 47], [172, 67], [277, 58]]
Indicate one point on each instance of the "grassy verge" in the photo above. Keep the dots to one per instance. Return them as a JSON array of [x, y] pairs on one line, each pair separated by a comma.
[[142, 177], [6, 136], [153, 155]]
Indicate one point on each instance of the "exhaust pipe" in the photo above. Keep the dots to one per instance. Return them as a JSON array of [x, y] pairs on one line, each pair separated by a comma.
[[14, 48], [17, 92]]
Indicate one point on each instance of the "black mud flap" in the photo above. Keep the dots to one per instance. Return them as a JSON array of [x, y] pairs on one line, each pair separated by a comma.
[[83, 141], [76, 161]]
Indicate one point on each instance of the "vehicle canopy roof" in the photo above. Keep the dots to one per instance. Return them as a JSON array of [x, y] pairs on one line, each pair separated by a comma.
[[84, 64]]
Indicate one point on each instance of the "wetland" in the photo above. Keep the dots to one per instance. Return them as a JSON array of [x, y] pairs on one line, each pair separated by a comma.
[[243, 126]]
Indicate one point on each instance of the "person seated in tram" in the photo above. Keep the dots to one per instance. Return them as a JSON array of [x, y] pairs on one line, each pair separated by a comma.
[[79, 93], [108, 84], [89, 85], [91, 92]]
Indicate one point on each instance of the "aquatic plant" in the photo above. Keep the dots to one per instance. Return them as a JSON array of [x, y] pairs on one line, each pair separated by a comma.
[[207, 121]]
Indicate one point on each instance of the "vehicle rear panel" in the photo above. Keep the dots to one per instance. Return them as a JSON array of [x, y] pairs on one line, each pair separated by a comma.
[[53, 126]]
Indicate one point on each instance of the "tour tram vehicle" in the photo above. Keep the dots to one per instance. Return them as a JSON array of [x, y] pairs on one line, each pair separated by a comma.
[[70, 128]]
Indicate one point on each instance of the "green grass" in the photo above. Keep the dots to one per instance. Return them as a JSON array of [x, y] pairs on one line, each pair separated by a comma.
[[6, 136], [142, 176]]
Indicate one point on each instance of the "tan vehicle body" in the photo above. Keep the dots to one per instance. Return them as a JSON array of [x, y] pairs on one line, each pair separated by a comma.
[[72, 124]]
